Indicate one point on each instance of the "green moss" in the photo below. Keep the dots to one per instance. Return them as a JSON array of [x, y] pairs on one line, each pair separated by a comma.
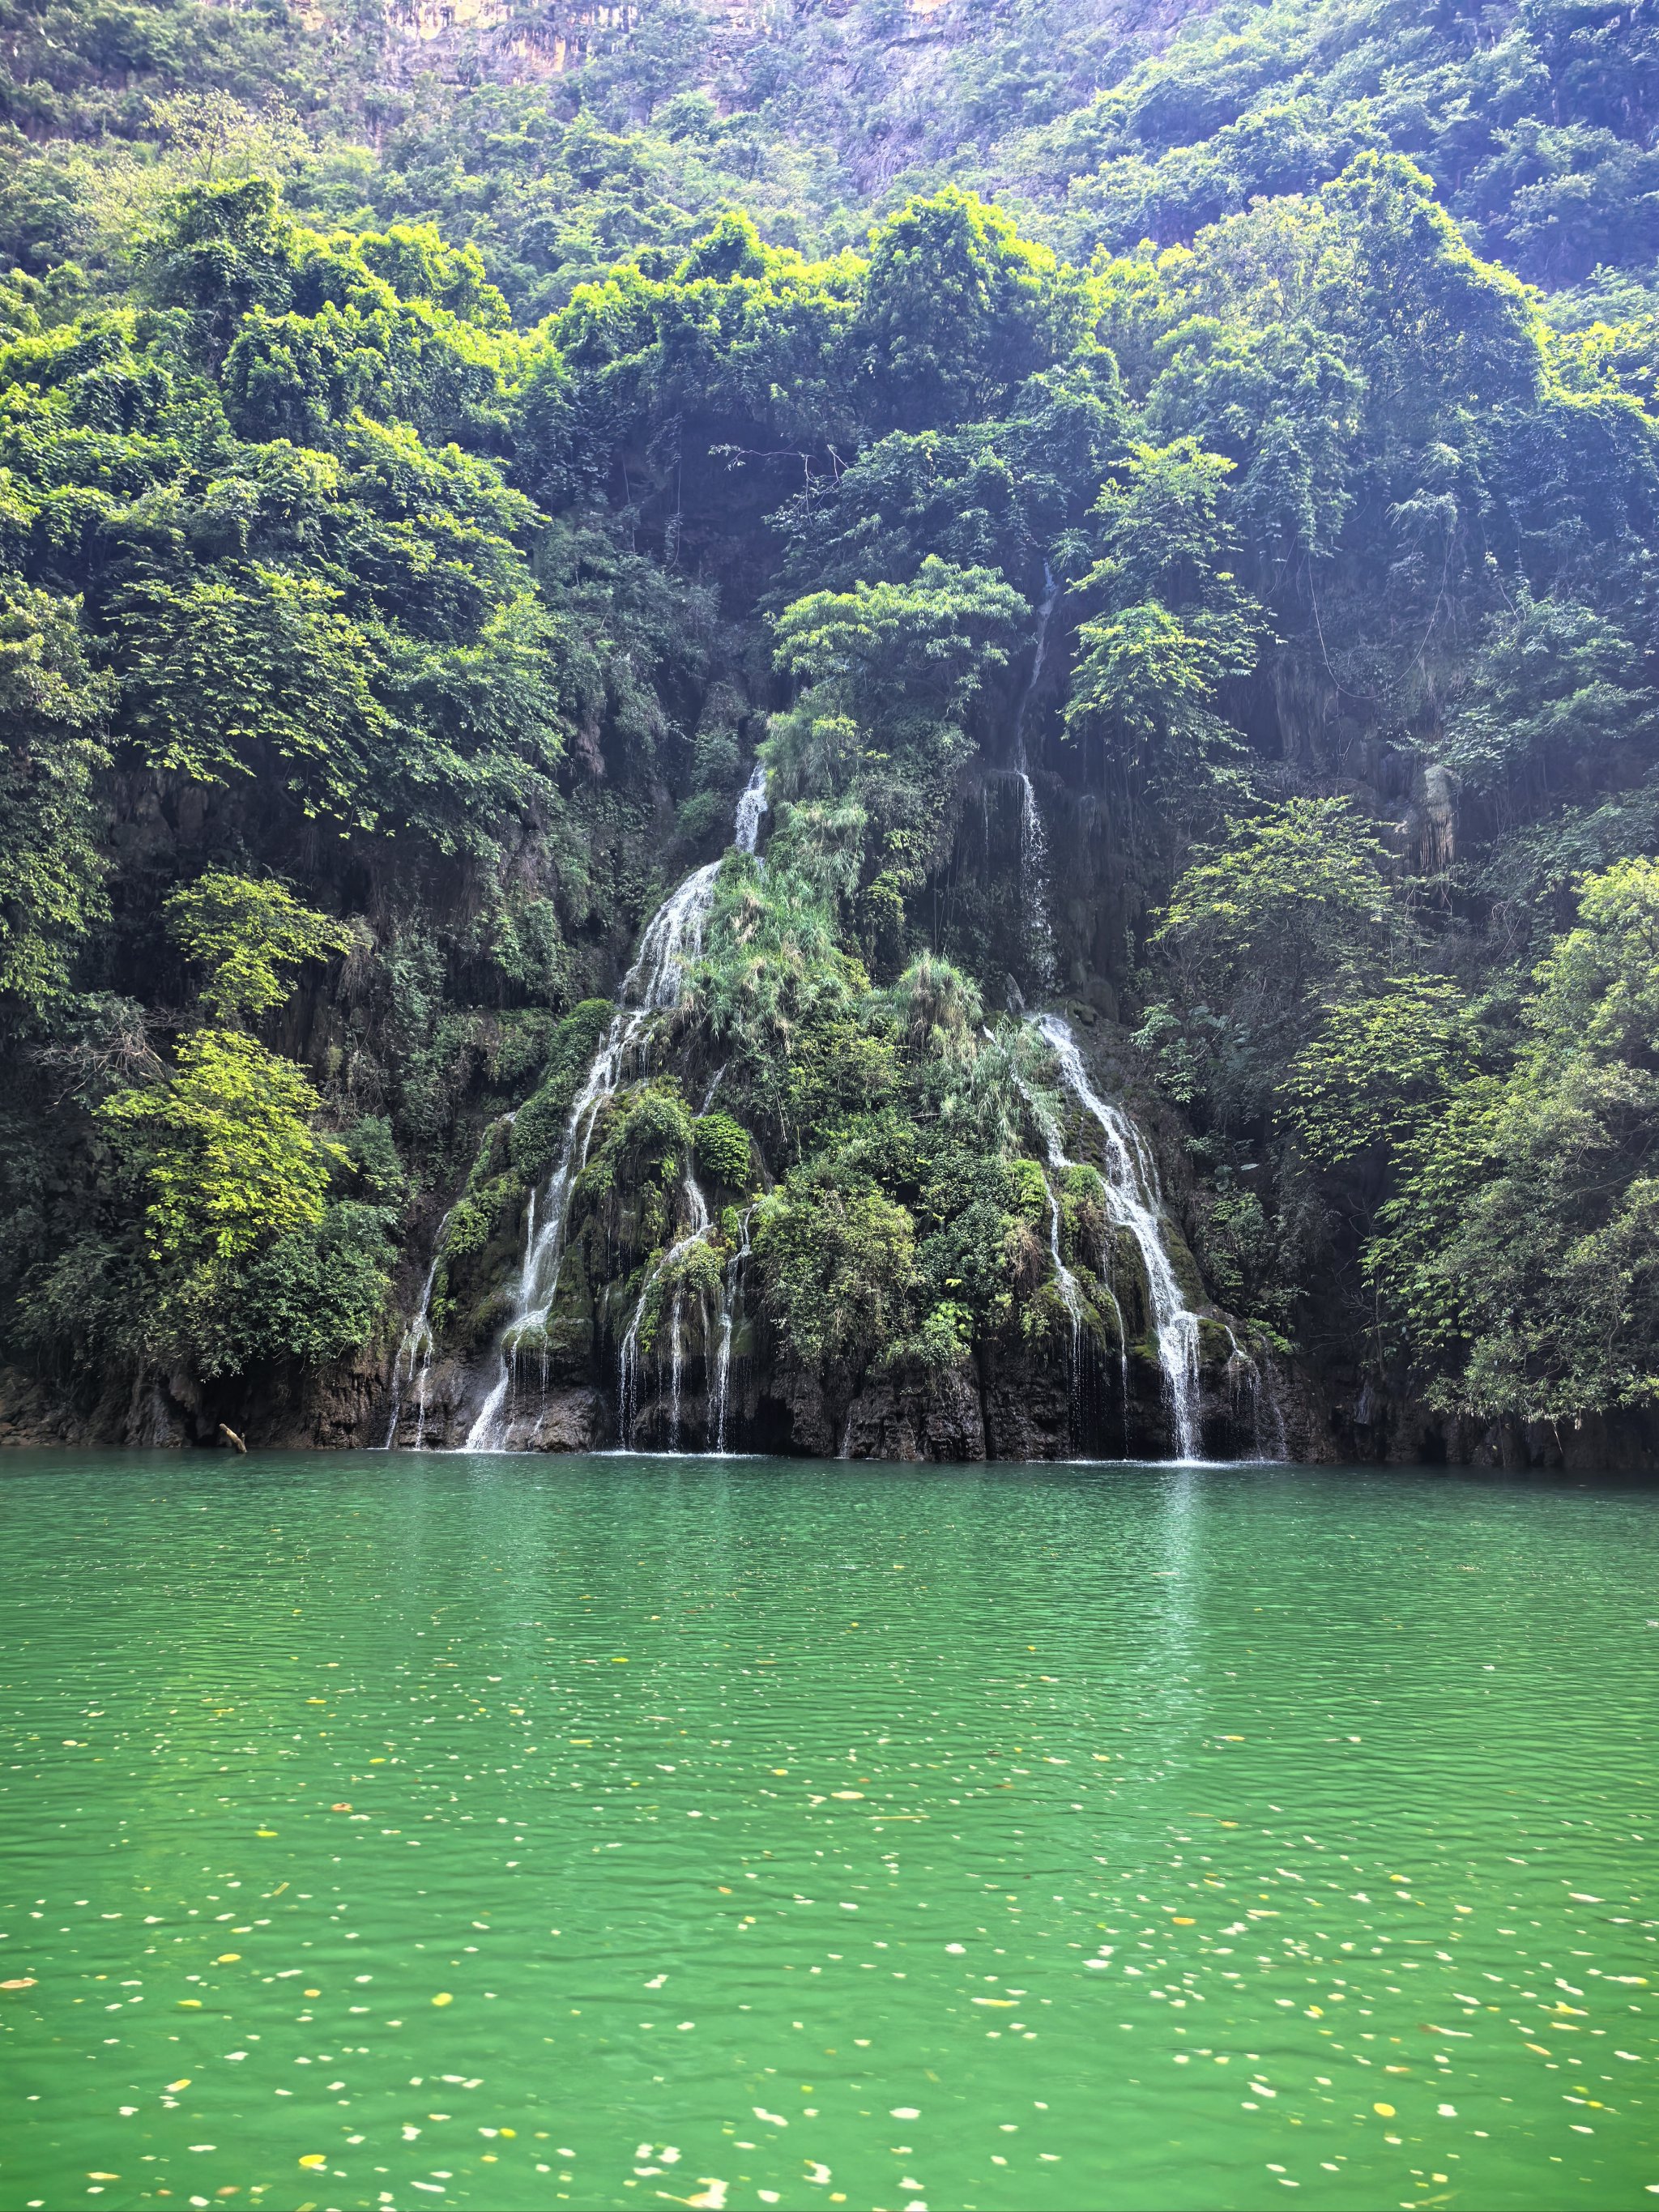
[[702, 814], [652, 1219], [539, 1125], [1028, 1188], [656, 1122], [839, 1260], [468, 1231], [722, 1146]]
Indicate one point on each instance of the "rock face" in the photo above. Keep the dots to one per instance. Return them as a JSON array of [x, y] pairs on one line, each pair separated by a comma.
[[858, 51], [602, 1291], [610, 1293], [1005, 1405], [715, 1374]]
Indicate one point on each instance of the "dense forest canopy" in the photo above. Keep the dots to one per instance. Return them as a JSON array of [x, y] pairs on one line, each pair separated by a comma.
[[436, 459]]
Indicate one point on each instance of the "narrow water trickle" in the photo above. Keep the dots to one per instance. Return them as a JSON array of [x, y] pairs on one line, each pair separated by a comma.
[[1071, 1297], [627, 1376], [414, 1361], [672, 938], [1253, 1386], [730, 1288], [1033, 833], [1064, 1281], [677, 1369], [1134, 1202]]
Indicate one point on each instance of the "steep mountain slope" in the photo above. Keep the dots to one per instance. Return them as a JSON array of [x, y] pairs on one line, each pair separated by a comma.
[[639, 810]]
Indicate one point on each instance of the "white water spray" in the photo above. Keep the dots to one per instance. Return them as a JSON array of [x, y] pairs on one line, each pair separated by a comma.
[[1033, 833], [652, 987], [628, 1380], [1064, 1281], [1134, 1202], [729, 1291], [414, 1361]]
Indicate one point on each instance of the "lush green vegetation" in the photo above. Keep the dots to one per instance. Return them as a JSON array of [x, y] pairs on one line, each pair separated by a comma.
[[421, 497]]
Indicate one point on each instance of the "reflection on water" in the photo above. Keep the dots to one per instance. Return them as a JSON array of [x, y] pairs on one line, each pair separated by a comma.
[[512, 1833]]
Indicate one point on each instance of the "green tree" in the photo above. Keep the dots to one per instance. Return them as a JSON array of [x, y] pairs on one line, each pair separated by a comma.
[[1553, 700], [256, 673], [1175, 625], [1379, 1069], [1521, 1250], [1264, 934], [52, 753], [245, 934], [928, 644], [231, 1160], [1294, 896], [227, 248], [839, 1262], [957, 308]]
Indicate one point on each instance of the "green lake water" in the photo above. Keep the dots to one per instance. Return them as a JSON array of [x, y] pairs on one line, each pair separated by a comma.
[[510, 1833]]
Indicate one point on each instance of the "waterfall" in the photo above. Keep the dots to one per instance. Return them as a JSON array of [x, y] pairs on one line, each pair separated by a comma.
[[1064, 1281], [1247, 1382], [729, 1289], [675, 1369], [414, 1361], [1033, 834], [1034, 883], [751, 805], [672, 937], [627, 1371], [628, 1377], [1134, 1202], [1269, 1394], [1071, 1297]]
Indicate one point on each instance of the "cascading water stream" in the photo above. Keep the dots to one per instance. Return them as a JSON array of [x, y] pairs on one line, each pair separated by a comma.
[[414, 1361], [1133, 1203], [672, 937], [628, 1378], [1071, 1297], [1033, 833], [752, 806], [729, 1289], [1064, 1281], [1250, 1385]]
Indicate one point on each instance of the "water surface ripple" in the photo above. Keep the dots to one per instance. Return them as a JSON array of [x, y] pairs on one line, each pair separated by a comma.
[[411, 1830]]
